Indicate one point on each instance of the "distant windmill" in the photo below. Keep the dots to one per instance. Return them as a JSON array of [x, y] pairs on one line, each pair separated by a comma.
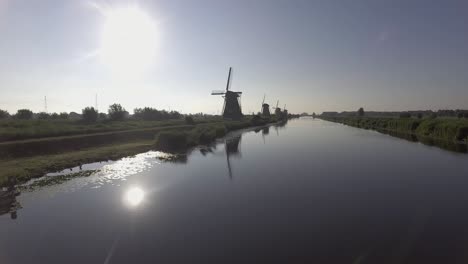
[[285, 111], [265, 108], [231, 108], [277, 110]]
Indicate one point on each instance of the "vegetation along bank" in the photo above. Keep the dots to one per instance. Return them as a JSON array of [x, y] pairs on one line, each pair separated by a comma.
[[448, 129]]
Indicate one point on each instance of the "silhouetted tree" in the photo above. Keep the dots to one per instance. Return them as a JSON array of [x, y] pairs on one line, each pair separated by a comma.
[[314, 115], [102, 116], [419, 115], [24, 114], [43, 116], [465, 115], [90, 115], [63, 115], [4, 114], [117, 112], [360, 112], [152, 114]]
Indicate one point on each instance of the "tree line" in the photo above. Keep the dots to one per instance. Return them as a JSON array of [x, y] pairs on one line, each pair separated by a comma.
[[115, 112]]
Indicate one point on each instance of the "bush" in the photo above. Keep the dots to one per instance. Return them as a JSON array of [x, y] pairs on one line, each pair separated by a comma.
[[25, 114], [462, 133], [90, 115], [151, 114], [117, 112], [171, 140], [63, 115], [189, 120], [460, 115], [43, 116], [4, 114], [465, 115], [419, 115]]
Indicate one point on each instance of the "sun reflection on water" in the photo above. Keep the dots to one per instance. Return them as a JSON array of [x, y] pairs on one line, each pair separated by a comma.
[[134, 196]]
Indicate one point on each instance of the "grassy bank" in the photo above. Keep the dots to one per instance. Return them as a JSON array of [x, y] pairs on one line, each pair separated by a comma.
[[448, 129], [14, 129], [34, 158]]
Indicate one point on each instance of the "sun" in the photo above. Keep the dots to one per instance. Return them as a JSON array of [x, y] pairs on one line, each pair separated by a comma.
[[128, 40]]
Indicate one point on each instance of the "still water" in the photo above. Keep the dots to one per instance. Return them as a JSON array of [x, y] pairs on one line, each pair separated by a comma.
[[308, 192]]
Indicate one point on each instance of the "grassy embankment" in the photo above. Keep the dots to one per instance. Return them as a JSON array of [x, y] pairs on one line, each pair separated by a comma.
[[31, 158], [447, 129]]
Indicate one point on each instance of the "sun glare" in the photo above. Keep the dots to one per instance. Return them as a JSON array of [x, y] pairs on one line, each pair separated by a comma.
[[134, 196], [128, 40]]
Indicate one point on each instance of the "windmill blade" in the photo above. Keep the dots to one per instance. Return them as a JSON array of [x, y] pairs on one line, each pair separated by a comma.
[[229, 79], [237, 92], [277, 102], [217, 92], [263, 99]]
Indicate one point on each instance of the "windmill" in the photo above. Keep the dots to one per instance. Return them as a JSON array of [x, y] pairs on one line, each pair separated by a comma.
[[231, 108], [285, 111], [277, 110], [265, 108]]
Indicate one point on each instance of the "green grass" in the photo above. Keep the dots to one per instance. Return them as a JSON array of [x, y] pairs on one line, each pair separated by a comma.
[[449, 129], [31, 129]]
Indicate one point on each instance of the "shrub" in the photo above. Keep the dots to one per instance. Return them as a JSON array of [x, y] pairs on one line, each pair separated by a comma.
[[189, 120], [117, 112], [419, 115], [171, 140], [43, 116], [4, 114], [151, 114], [90, 115], [63, 115], [460, 115], [24, 114]]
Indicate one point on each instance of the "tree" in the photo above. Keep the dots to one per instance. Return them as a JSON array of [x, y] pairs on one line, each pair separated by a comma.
[[360, 112], [4, 114], [43, 116], [465, 115], [63, 115], [419, 115], [25, 114], [90, 114], [459, 114], [117, 112]]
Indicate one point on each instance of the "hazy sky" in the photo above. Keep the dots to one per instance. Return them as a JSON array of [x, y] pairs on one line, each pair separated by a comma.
[[311, 55]]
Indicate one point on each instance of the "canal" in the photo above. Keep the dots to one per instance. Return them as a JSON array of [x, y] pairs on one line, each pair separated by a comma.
[[309, 191]]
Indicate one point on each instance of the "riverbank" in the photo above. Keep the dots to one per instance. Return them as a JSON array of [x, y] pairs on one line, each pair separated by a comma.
[[446, 129], [34, 158]]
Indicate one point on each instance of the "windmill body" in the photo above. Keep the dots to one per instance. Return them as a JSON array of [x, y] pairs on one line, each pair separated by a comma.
[[231, 108], [265, 108], [277, 110]]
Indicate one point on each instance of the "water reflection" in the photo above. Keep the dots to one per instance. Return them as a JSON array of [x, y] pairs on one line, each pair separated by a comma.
[[8, 202], [232, 149], [134, 196]]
